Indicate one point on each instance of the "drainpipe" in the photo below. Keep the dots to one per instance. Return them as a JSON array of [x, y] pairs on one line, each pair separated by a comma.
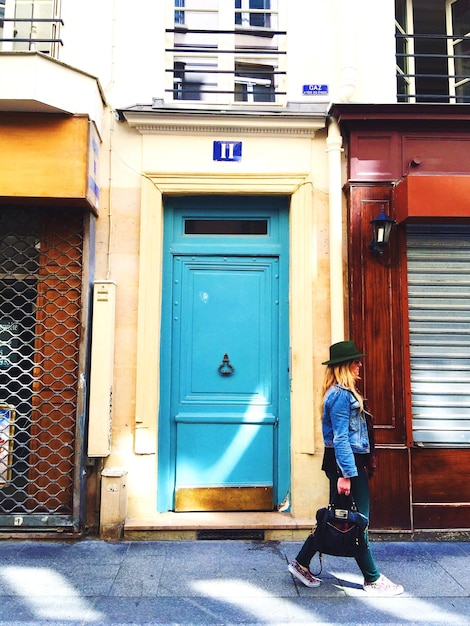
[[334, 149], [348, 70], [334, 143]]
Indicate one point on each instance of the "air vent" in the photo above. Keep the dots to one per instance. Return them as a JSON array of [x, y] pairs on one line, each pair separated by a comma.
[[231, 534]]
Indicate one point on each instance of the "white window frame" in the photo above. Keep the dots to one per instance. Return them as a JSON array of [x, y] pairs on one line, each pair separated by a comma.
[[247, 11], [409, 61], [451, 44], [30, 30]]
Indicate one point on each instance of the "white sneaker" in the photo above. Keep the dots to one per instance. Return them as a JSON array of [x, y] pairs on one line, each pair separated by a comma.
[[383, 587], [304, 575]]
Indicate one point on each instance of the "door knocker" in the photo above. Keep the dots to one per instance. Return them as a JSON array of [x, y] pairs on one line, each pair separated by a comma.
[[225, 368]]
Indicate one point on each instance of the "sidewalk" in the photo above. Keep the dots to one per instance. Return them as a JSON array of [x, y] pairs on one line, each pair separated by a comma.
[[203, 583]]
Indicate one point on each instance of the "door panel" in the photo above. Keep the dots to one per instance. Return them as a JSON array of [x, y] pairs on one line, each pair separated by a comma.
[[225, 419], [224, 453], [226, 309]]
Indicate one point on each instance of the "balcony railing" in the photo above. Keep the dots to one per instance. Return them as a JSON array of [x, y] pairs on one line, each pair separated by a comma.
[[31, 34], [433, 68], [226, 56], [204, 68]]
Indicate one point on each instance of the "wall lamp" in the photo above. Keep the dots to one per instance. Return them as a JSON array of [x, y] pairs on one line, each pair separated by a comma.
[[382, 228]]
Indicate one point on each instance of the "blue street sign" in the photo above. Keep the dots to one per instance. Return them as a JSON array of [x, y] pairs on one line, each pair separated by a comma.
[[227, 151], [315, 90]]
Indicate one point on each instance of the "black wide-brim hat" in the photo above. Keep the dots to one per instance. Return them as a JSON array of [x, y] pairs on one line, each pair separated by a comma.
[[342, 352]]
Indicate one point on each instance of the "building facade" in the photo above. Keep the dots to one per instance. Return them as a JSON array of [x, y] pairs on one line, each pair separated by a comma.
[[185, 206]]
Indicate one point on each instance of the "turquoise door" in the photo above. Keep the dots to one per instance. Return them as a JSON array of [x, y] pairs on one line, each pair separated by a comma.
[[224, 418]]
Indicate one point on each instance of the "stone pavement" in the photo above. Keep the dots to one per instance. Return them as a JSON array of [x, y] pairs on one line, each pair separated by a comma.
[[92, 582]]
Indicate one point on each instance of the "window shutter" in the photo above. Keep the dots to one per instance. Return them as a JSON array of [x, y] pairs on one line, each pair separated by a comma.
[[439, 324]]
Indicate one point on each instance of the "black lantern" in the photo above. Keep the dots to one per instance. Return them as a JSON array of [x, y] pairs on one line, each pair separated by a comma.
[[382, 227]]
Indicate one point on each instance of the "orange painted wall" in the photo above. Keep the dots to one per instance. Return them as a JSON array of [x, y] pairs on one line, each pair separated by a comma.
[[43, 156]]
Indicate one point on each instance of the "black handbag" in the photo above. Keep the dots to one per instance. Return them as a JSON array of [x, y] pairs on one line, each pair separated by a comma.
[[340, 529]]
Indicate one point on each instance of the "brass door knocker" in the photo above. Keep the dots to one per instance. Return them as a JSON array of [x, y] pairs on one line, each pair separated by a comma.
[[225, 368]]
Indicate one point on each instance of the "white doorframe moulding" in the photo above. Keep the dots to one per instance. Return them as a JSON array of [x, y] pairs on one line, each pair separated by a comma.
[[304, 199]]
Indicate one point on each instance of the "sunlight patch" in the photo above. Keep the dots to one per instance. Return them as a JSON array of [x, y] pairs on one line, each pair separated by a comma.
[[47, 594], [398, 607], [423, 611], [254, 600]]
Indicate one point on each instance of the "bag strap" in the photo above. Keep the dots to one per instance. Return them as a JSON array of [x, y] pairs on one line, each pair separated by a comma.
[[320, 558], [342, 501]]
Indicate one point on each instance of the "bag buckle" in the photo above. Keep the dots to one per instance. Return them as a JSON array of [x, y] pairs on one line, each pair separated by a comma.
[[341, 513]]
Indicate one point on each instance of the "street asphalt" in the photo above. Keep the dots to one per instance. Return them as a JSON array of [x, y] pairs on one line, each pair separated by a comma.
[[97, 583]]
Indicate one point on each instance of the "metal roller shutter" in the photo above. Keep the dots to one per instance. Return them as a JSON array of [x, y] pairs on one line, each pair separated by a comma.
[[40, 331], [439, 324]]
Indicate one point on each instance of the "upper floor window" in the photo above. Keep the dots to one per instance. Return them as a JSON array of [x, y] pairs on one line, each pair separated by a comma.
[[252, 13], [226, 55], [254, 83], [2, 15], [27, 25], [179, 14], [432, 50], [458, 20]]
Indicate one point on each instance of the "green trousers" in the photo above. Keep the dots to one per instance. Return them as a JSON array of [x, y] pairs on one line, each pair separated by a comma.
[[360, 493]]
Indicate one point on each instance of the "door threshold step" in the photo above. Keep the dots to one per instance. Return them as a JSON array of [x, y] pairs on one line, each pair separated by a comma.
[[269, 526]]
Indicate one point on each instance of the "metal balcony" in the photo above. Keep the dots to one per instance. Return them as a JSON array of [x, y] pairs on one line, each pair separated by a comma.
[[31, 35], [432, 68]]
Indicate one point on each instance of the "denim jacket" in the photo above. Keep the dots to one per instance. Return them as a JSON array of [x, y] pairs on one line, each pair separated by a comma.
[[344, 428]]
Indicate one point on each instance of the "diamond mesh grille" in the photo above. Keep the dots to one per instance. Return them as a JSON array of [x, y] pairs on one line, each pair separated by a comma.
[[40, 326]]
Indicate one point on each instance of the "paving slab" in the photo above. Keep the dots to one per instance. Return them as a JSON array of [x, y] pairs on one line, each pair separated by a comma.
[[224, 582]]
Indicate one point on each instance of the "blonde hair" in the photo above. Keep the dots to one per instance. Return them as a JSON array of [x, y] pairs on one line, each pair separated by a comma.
[[342, 375]]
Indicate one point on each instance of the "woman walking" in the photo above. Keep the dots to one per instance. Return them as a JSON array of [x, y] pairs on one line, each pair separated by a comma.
[[348, 459]]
